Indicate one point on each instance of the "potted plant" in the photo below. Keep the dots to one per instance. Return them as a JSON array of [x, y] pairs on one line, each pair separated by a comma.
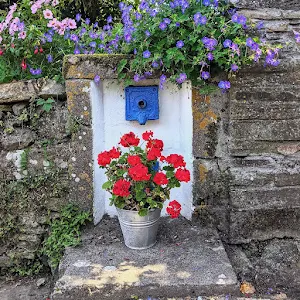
[[140, 180]]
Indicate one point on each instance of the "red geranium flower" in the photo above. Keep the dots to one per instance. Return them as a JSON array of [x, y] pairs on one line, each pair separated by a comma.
[[121, 188], [129, 139], [160, 178], [1, 52], [147, 135], [104, 159], [36, 51], [134, 160], [153, 154], [174, 209], [155, 143], [139, 173], [183, 175], [176, 160], [114, 153]]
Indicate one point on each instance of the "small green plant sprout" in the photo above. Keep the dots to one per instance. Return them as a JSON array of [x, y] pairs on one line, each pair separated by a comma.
[[64, 232], [46, 105]]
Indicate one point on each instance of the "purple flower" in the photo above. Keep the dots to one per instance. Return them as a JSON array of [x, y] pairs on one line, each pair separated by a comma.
[[260, 25], [74, 38], [224, 85], [209, 43], [87, 21], [179, 44], [242, 20], [162, 80], [227, 43], [210, 56], [167, 21], [182, 78], [146, 54], [109, 19], [147, 32], [234, 67], [271, 58], [177, 24], [297, 36], [163, 26], [93, 44], [97, 79], [138, 16], [249, 42], [206, 2], [127, 37], [205, 75], [155, 64], [76, 51], [78, 17], [49, 58], [136, 78]]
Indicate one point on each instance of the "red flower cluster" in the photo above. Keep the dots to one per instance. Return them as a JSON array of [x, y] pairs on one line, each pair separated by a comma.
[[121, 188], [160, 178], [147, 135], [129, 139], [154, 148], [183, 175], [139, 173], [134, 160], [105, 157], [176, 160], [174, 209]]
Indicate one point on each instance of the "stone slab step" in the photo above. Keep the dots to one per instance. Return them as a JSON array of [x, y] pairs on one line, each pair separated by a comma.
[[188, 260]]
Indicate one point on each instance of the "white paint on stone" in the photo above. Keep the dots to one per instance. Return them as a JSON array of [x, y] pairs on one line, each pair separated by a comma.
[[33, 162], [46, 163], [15, 157], [174, 127], [77, 179]]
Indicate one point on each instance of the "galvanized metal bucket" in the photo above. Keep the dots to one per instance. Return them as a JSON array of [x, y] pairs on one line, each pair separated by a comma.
[[139, 232]]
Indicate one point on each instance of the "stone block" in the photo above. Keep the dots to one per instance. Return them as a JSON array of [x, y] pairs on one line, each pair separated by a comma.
[[52, 125], [81, 168], [282, 4], [25, 90], [263, 224], [88, 66], [210, 120], [210, 183], [20, 138], [79, 105], [113, 271], [265, 197]]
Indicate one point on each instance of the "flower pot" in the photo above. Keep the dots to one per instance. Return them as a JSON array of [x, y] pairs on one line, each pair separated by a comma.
[[139, 232]]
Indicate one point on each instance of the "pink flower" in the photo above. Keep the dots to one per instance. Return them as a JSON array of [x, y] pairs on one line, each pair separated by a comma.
[[22, 35], [55, 2], [34, 8], [72, 24], [48, 14], [52, 23]]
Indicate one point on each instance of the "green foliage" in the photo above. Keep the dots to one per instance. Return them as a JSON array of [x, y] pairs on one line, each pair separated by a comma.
[[64, 232], [46, 105], [24, 159], [26, 268]]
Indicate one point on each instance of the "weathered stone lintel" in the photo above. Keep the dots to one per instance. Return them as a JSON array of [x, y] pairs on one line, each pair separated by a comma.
[[88, 66]]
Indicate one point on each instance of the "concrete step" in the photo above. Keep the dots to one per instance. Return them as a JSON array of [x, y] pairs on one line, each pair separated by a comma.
[[188, 260]]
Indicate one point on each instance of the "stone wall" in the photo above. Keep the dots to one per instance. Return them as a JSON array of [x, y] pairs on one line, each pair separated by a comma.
[[248, 166], [34, 154]]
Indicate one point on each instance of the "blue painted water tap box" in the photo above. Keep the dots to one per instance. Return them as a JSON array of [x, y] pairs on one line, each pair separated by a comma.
[[142, 103]]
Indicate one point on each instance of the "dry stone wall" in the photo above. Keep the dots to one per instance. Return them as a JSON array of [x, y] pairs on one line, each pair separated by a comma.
[[34, 178], [250, 183]]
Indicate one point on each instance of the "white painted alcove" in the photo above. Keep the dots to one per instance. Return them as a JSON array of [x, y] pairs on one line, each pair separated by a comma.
[[174, 127]]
